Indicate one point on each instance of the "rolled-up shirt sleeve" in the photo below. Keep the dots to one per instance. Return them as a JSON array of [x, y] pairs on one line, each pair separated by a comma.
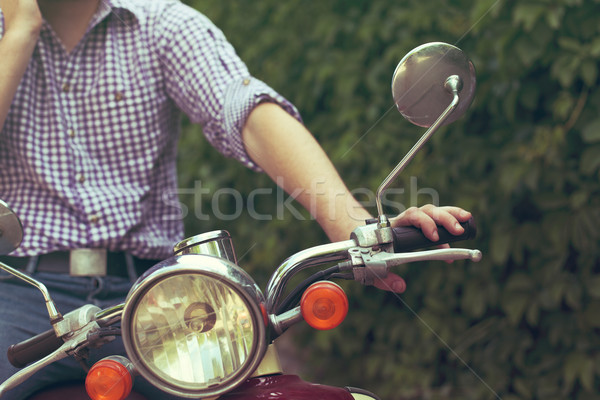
[[208, 81], [1, 23]]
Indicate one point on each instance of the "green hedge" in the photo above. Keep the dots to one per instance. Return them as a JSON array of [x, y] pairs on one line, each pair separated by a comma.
[[523, 323]]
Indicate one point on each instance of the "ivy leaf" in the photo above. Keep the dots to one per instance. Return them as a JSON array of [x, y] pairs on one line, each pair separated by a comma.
[[523, 387], [520, 282], [527, 14], [500, 247], [595, 47], [591, 314], [572, 368], [571, 44], [514, 305], [573, 294], [554, 16], [593, 287], [532, 316], [565, 69], [590, 160], [474, 299], [528, 50], [589, 72], [591, 132], [586, 374]]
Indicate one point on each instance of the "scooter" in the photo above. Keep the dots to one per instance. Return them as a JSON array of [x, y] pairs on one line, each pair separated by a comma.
[[196, 325]]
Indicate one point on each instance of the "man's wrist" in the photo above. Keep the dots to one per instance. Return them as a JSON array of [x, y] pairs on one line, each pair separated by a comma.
[[23, 35]]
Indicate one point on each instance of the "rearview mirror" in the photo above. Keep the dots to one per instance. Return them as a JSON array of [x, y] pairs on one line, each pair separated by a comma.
[[426, 86], [11, 230]]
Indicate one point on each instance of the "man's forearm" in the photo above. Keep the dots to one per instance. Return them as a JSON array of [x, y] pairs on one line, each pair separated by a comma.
[[22, 23], [290, 155]]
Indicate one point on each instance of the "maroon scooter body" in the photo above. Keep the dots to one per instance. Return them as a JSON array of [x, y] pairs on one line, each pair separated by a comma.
[[71, 391], [288, 387], [273, 387]]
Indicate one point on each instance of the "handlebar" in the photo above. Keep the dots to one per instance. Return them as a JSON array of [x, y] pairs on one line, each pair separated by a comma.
[[34, 348], [407, 238], [403, 239], [84, 320]]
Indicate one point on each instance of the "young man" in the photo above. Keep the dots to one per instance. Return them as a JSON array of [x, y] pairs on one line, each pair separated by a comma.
[[90, 97]]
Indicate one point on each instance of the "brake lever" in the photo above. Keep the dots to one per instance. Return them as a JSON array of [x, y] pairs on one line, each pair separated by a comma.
[[452, 254], [368, 265], [24, 374], [70, 346]]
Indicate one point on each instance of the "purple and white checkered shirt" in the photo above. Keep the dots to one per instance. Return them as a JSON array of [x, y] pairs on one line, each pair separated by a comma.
[[87, 154]]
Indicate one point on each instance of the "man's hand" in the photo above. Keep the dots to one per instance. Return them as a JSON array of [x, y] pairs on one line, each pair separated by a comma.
[[22, 24], [23, 16], [285, 149], [427, 218]]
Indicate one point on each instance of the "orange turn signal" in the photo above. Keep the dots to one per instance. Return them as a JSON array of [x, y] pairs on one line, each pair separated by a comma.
[[109, 379], [324, 305]]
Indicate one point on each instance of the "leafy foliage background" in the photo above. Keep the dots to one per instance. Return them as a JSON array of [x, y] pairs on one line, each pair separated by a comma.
[[523, 323]]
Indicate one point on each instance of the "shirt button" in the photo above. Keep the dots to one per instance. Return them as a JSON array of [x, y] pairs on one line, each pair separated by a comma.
[[71, 133], [94, 219], [246, 82], [66, 87], [81, 178], [118, 96]]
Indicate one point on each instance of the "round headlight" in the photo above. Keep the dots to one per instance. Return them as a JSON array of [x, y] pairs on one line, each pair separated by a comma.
[[194, 326]]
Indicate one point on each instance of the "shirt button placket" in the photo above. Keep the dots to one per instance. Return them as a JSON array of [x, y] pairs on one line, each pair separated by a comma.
[[66, 88]]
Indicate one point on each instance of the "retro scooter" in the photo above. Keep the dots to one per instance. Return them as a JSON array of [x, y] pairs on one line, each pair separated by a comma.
[[197, 325]]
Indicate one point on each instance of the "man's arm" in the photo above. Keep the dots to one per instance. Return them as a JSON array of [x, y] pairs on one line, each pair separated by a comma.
[[287, 151], [290, 155], [22, 23]]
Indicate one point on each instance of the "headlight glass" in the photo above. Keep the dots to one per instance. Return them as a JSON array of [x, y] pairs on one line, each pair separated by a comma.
[[193, 331]]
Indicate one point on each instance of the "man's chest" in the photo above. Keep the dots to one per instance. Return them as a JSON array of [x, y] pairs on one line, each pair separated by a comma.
[[103, 104]]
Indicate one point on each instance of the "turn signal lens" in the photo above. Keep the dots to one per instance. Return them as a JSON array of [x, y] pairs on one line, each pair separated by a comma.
[[324, 305], [109, 379]]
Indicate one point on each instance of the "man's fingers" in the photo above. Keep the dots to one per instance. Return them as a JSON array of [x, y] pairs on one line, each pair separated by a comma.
[[448, 217], [391, 283], [417, 217], [429, 217]]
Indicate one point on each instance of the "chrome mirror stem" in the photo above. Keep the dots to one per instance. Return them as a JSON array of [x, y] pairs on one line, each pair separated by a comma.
[[453, 84], [55, 315]]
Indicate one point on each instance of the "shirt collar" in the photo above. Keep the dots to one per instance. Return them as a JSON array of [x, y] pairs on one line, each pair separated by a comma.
[[118, 7], [105, 8]]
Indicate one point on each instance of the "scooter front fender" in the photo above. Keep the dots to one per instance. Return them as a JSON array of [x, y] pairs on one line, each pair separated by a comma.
[[288, 387]]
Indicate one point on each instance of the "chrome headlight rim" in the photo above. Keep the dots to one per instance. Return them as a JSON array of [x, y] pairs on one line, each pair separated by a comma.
[[217, 268]]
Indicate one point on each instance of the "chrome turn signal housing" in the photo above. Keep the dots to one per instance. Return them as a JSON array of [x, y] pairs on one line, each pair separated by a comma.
[[195, 326]]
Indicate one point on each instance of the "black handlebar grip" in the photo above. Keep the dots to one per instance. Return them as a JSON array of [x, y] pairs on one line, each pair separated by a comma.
[[33, 349], [407, 238]]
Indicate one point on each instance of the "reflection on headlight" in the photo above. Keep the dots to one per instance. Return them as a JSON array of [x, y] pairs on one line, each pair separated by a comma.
[[192, 329], [200, 317]]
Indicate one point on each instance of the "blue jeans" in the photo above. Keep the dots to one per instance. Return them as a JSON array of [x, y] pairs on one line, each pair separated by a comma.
[[23, 314]]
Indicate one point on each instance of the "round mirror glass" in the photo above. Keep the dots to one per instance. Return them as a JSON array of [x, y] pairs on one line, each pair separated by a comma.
[[11, 231], [418, 84]]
